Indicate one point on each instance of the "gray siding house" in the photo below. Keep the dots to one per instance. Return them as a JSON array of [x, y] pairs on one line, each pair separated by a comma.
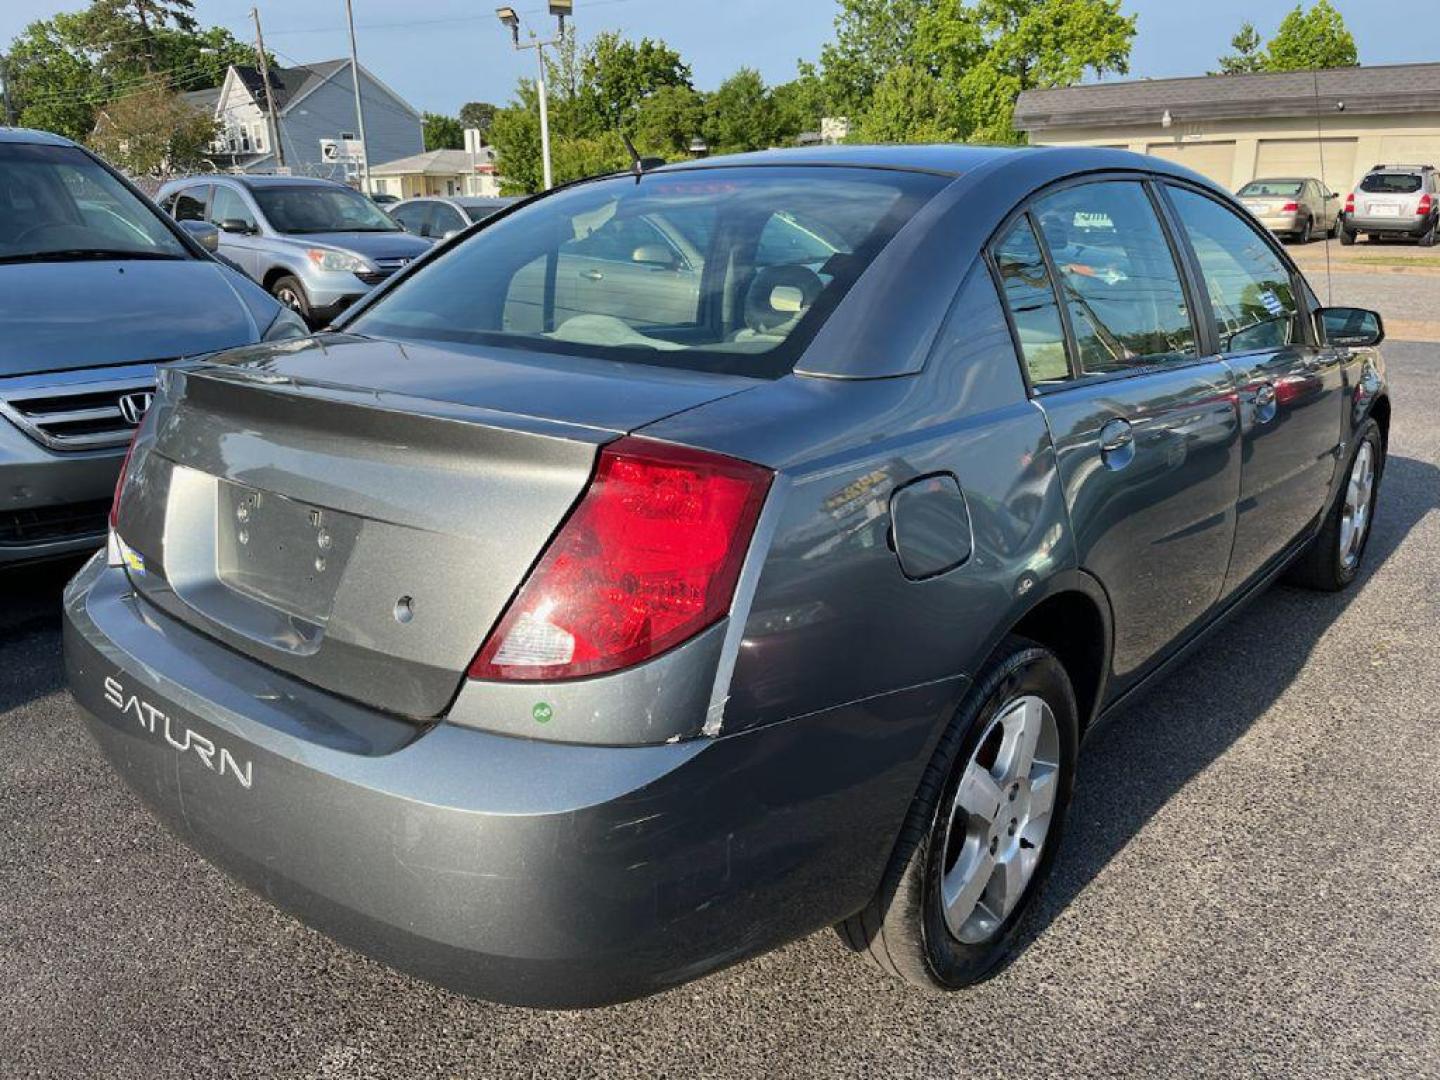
[[312, 102]]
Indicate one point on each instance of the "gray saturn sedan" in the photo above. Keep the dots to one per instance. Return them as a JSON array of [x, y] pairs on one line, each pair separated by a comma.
[[560, 656], [96, 287]]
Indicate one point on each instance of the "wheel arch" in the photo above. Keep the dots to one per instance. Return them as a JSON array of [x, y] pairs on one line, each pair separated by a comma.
[[1072, 619]]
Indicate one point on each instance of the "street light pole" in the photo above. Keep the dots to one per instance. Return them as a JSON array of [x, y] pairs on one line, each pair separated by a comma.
[[560, 9], [359, 110]]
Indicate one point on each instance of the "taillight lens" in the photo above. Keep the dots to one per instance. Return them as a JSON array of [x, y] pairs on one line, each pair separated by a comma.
[[1290, 208], [1350, 203], [647, 560], [1424, 207], [120, 481]]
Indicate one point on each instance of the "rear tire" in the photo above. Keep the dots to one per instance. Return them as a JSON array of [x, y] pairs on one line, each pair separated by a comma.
[[1429, 238], [949, 855], [1332, 560], [1347, 235], [1307, 233], [291, 293]]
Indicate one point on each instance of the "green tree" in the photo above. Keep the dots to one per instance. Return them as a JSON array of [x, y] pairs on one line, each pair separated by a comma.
[[668, 120], [616, 75], [740, 115], [63, 69], [1247, 57], [909, 105], [478, 115], [515, 132], [1312, 39], [442, 132], [153, 132], [872, 38], [799, 104]]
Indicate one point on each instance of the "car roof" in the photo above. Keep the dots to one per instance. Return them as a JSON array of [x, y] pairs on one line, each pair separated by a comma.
[[279, 181], [950, 159], [30, 135]]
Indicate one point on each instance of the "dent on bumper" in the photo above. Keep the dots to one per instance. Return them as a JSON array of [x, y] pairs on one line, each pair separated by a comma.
[[520, 871]]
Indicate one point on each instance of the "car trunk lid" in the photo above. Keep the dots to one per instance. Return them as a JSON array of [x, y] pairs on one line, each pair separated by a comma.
[[366, 535]]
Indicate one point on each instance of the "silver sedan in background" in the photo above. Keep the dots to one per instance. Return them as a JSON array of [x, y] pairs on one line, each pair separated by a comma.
[[436, 218]]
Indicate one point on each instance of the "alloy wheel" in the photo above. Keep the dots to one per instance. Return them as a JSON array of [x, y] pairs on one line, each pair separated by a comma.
[[1355, 514], [1000, 818]]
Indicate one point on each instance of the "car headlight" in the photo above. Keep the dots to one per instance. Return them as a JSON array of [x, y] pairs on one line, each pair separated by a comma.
[[287, 326], [338, 260]]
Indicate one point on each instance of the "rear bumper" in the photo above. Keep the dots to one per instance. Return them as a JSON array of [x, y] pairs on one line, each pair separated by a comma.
[[1284, 223], [526, 872], [1409, 225]]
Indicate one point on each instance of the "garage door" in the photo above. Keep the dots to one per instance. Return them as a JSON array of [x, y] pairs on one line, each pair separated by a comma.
[[1213, 159], [1302, 157], [1409, 150]]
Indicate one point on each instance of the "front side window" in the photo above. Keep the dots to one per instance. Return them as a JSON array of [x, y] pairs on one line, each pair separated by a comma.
[[1251, 291], [1117, 275], [228, 206], [320, 209], [665, 269], [412, 216], [1030, 297], [58, 202]]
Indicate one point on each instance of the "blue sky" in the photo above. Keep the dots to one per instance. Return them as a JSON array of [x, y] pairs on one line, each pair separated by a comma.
[[441, 53]]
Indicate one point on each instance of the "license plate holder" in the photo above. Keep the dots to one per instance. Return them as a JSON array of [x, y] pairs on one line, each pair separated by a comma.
[[285, 553]]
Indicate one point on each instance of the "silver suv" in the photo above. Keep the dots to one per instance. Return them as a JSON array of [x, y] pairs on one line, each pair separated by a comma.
[[316, 245], [1394, 200]]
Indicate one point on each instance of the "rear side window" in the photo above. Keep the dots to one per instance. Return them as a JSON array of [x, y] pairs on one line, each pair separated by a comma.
[[1026, 285], [190, 204], [1250, 288], [1120, 283], [1391, 183]]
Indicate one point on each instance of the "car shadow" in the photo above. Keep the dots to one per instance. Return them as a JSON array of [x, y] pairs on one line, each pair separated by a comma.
[[30, 665], [1131, 766]]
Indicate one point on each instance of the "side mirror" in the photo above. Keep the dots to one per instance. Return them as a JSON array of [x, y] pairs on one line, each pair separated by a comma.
[[1349, 327], [237, 225], [654, 255], [203, 233]]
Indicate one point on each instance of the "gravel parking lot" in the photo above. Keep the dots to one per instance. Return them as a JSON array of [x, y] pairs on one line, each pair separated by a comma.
[[1250, 886]]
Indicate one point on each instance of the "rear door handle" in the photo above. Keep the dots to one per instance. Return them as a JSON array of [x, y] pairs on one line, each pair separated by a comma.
[[592, 275]]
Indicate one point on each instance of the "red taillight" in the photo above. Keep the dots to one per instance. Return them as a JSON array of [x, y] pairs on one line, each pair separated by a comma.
[[1350, 203], [1424, 207], [1290, 208], [120, 482], [648, 559]]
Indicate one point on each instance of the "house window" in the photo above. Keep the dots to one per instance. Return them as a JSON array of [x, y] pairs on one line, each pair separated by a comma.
[[245, 140]]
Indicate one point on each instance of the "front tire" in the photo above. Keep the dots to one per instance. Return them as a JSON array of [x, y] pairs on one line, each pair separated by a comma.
[[291, 293], [983, 830], [1332, 560]]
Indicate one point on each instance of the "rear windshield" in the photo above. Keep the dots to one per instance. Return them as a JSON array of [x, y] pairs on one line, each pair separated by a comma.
[[304, 209], [1282, 188], [727, 270], [1391, 183]]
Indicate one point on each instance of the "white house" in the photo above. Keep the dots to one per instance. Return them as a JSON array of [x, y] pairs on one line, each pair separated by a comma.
[[438, 172]]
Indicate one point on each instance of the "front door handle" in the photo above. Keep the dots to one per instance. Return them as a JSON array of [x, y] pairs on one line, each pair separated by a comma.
[[592, 275], [1265, 405]]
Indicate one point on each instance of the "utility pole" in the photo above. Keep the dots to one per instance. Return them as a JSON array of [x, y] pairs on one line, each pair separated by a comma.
[[359, 110], [507, 15], [271, 115]]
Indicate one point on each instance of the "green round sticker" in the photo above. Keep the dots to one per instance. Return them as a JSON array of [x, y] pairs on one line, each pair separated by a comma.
[[542, 712]]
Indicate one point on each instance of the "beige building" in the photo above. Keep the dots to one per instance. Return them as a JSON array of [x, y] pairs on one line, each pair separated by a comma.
[[438, 172], [1333, 124]]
